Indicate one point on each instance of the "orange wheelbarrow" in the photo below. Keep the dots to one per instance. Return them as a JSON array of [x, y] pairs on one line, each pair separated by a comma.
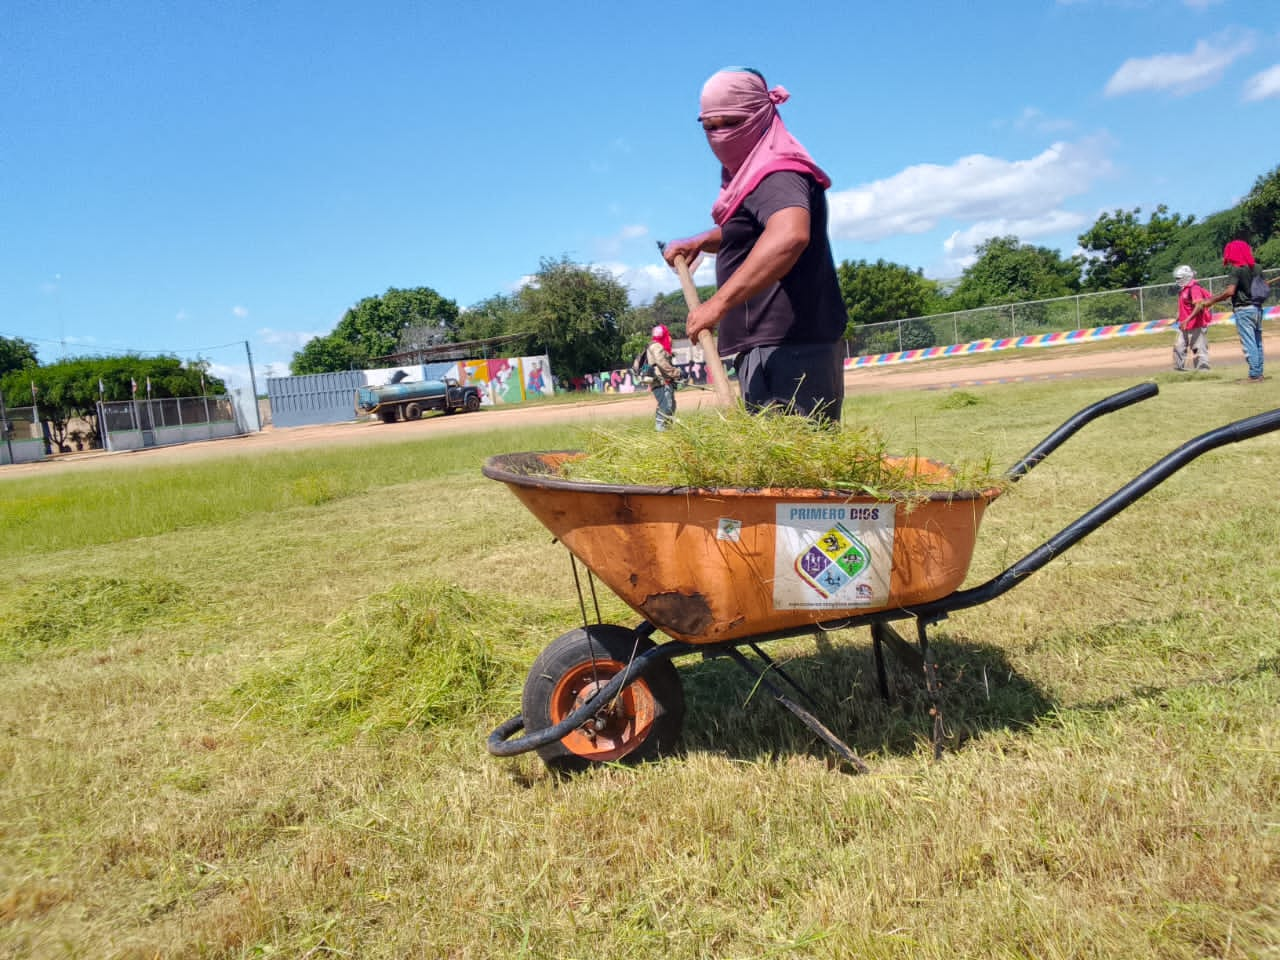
[[719, 570]]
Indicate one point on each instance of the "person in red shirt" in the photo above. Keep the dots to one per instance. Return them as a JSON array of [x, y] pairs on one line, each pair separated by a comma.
[[1192, 321]]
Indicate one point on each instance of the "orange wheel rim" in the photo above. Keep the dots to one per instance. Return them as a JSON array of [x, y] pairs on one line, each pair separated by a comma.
[[613, 732]]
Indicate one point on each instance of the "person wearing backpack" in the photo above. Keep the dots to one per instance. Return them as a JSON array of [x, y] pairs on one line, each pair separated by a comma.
[[655, 366], [1247, 289], [1192, 321]]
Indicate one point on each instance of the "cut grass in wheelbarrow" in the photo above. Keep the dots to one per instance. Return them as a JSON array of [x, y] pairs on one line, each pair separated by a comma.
[[730, 448], [721, 553]]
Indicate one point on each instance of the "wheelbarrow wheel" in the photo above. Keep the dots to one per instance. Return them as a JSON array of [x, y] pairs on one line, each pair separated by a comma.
[[642, 722]]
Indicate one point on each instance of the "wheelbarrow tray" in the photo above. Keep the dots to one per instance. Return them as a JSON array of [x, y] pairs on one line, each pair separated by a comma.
[[714, 565]]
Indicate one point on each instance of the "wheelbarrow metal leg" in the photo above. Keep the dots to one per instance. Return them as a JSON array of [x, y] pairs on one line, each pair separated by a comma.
[[838, 746], [883, 635], [777, 668], [933, 686]]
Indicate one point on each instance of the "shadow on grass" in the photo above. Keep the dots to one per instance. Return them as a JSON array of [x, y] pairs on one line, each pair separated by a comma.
[[1269, 665], [727, 713]]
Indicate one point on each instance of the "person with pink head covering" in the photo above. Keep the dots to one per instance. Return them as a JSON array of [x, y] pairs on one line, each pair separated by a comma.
[[777, 305], [662, 377], [1246, 309]]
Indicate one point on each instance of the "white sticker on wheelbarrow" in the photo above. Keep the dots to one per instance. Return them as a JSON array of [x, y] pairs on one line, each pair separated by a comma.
[[832, 557]]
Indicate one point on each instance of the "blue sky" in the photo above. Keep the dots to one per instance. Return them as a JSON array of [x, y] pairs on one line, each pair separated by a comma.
[[184, 177]]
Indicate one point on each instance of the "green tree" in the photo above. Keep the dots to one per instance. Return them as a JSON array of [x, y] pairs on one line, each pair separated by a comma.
[[575, 314], [1199, 246], [1008, 271], [16, 353], [882, 291], [327, 354], [70, 389], [1259, 211], [495, 316], [1123, 246], [376, 325]]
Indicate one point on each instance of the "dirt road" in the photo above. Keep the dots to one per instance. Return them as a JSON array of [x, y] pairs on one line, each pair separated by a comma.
[[956, 373]]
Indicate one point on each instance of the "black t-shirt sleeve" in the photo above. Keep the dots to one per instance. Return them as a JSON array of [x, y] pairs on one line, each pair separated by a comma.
[[777, 191]]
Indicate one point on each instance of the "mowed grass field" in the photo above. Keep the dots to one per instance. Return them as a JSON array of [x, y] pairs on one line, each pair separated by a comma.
[[243, 705]]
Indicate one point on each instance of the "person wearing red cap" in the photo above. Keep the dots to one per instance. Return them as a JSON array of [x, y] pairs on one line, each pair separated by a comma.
[[777, 304], [657, 357], [1246, 313]]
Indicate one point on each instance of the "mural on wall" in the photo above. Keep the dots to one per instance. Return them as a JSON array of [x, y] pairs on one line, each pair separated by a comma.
[[536, 377], [503, 380], [476, 373]]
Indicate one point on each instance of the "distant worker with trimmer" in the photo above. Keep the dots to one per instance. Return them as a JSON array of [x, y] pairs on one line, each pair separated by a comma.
[[777, 304], [661, 374]]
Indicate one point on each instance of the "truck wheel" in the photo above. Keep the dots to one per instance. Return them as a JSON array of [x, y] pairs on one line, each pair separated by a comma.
[[412, 411], [387, 416], [642, 722], [471, 404]]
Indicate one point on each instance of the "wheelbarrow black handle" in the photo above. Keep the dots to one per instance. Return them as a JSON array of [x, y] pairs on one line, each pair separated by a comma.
[[500, 743], [1076, 531], [1116, 401]]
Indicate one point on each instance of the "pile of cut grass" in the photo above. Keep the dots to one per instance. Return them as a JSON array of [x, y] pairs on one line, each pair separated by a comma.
[[733, 448], [82, 611], [419, 655]]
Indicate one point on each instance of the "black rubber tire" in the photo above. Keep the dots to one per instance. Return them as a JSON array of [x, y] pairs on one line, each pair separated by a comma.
[[471, 404], [388, 415], [412, 411], [546, 698]]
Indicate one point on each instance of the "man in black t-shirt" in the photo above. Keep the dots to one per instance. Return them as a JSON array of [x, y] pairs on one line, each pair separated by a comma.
[[1246, 314], [777, 304]]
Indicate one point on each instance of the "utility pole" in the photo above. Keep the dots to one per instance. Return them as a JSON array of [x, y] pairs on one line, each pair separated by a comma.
[[253, 385], [7, 428]]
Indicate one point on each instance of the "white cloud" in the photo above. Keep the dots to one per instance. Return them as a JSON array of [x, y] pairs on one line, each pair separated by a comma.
[[959, 247], [240, 312], [1179, 73], [974, 188], [1264, 85], [292, 339], [647, 281], [612, 246], [1033, 118]]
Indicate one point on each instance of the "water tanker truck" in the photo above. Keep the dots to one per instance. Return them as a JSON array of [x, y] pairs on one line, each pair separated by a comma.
[[398, 400]]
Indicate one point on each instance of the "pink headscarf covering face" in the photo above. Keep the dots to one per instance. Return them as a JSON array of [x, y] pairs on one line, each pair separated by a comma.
[[663, 336], [756, 147], [1237, 253]]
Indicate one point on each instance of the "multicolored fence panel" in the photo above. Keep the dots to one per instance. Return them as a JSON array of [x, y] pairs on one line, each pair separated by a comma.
[[1061, 338]]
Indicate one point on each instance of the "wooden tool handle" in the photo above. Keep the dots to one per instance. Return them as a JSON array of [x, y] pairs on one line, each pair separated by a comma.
[[710, 352]]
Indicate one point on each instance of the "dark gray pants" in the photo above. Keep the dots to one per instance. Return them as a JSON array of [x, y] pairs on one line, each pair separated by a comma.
[[803, 378]]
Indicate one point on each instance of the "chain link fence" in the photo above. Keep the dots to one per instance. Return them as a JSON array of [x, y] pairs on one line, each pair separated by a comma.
[[1080, 312], [134, 424], [21, 438]]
